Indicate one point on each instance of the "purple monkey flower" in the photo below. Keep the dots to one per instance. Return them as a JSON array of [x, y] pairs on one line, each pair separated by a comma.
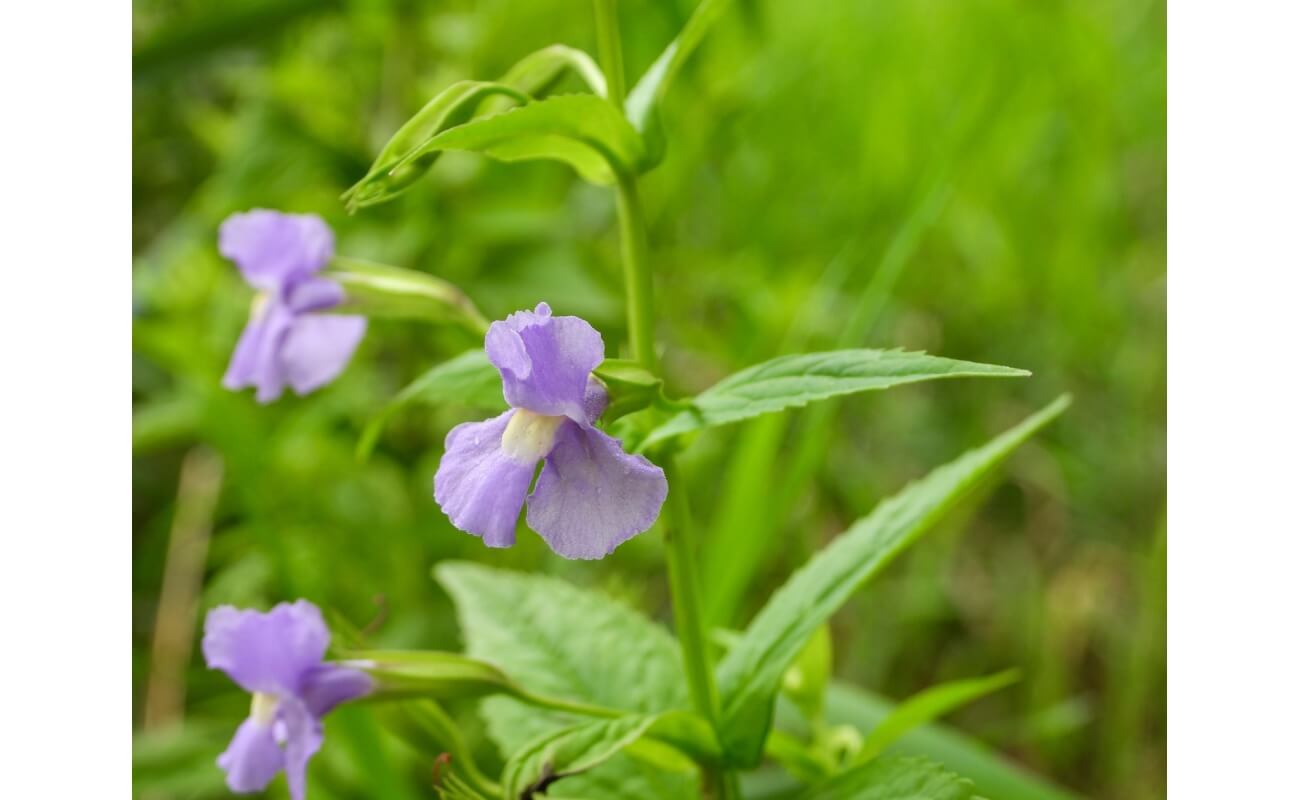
[[591, 496], [278, 656], [284, 342]]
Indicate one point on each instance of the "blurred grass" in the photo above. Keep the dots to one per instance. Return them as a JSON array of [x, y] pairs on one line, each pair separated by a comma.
[[803, 141]]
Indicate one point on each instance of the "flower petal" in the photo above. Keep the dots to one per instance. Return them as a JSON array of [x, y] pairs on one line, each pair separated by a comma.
[[256, 360], [591, 496], [270, 247], [312, 294], [318, 347], [545, 361], [302, 735], [478, 486], [326, 686], [252, 758], [266, 652]]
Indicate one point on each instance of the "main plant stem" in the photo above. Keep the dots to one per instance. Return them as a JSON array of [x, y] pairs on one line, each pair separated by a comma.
[[678, 533]]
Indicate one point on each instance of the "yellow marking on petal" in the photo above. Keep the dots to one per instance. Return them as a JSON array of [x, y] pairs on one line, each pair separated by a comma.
[[259, 305], [529, 437], [264, 706]]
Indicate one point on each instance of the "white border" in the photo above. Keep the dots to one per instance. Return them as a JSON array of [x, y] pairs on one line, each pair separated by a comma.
[[1234, 529], [65, 519]]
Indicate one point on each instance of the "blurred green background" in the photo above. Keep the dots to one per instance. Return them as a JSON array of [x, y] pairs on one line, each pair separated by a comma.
[[984, 180]]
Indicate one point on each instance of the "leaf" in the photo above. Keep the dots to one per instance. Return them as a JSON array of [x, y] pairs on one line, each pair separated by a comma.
[[536, 72], [650, 89], [582, 130], [381, 290], [751, 671], [895, 778], [927, 706], [569, 751], [560, 641], [796, 380], [398, 166], [469, 379]]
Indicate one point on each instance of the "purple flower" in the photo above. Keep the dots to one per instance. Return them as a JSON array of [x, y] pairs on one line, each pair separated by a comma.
[[591, 496], [284, 342], [278, 657]]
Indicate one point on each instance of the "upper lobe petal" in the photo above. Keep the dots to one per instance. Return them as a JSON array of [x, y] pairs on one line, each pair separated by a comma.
[[270, 247], [318, 347], [591, 496], [266, 652], [478, 486], [252, 758], [545, 361]]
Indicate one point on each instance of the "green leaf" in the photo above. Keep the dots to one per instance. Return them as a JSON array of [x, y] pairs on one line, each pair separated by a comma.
[[996, 776], [536, 73], [927, 706], [796, 380], [570, 751], [650, 89], [469, 379], [582, 130], [894, 778], [561, 641], [381, 290], [398, 164], [751, 671]]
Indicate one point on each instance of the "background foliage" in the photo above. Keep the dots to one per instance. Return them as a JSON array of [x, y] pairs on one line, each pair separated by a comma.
[[982, 180]]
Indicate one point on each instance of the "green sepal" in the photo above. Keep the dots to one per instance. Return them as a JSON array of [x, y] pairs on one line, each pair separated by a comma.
[[381, 290]]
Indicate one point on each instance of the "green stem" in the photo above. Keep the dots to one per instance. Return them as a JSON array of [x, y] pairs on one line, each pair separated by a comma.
[[686, 599], [636, 274], [679, 542], [610, 49]]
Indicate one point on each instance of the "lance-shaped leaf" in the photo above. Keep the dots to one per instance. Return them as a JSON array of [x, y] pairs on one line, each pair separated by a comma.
[[582, 130], [532, 76], [396, 168], [648, 92], [750, 674], [929, 705], [584, 746], [469, 380], [796, 380], [536, 73], [381, 290], [896, 778]]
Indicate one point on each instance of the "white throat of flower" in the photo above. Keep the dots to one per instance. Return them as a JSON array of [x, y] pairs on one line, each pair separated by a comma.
[[264, 707], [529, 437], [258, 308]]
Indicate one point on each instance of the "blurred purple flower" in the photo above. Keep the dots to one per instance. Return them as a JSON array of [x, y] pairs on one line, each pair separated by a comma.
[[278, 656], [284, 342], [591, 496]]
